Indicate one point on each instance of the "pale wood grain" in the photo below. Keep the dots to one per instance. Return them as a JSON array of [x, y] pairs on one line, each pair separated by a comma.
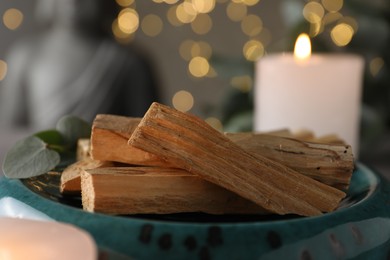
[[109, 137], [327, 163], [331, 164], [154, 190], [70, 177], [189, 143]]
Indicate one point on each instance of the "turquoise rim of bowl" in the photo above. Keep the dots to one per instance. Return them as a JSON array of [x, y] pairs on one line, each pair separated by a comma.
[[359, 227]]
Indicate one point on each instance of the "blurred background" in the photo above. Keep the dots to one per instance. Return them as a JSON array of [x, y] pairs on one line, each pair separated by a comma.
[[195, 55]]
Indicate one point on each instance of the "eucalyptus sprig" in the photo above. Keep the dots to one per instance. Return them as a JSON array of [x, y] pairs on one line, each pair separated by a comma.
[[43, 151]]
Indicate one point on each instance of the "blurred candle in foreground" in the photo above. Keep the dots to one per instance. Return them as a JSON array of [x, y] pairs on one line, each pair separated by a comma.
[[321, 93], [39, 240]]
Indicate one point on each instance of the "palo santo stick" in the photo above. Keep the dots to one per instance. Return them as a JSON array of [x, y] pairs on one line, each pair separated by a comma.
[[284, 132], [155, 190], [109, 137], [70, 177], [329, 139], [190, 143], [325, 163], [83, 150], [303, 134], [329, 164], [307, 136]]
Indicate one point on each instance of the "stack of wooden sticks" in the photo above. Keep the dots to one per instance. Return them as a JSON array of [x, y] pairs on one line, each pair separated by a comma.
[[171, 162]]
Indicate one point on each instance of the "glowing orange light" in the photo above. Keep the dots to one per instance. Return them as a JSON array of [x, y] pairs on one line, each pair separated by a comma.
[[302, 49]]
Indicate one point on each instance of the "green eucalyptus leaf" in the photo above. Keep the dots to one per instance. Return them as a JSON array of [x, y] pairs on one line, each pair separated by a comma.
[[51, 137], [29, 157], [73, 128]]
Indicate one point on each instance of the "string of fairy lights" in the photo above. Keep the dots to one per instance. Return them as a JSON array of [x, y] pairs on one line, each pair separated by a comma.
[[324, 17]]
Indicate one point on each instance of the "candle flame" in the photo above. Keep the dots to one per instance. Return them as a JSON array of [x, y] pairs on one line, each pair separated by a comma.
[[302, 49]]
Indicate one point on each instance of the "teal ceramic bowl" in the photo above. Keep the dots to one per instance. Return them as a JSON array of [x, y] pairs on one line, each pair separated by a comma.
[[359, 229]]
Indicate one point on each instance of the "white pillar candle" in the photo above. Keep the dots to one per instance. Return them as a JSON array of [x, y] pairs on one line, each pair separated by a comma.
[[321, 93], [22, 239]]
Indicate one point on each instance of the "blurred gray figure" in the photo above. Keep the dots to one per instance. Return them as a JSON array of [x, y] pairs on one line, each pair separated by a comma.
[[74, 66]]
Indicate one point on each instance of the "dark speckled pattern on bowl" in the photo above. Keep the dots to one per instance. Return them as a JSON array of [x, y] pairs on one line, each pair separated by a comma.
[[359, 229]]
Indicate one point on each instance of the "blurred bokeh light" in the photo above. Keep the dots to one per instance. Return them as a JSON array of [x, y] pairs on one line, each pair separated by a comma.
[[12, 18]]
